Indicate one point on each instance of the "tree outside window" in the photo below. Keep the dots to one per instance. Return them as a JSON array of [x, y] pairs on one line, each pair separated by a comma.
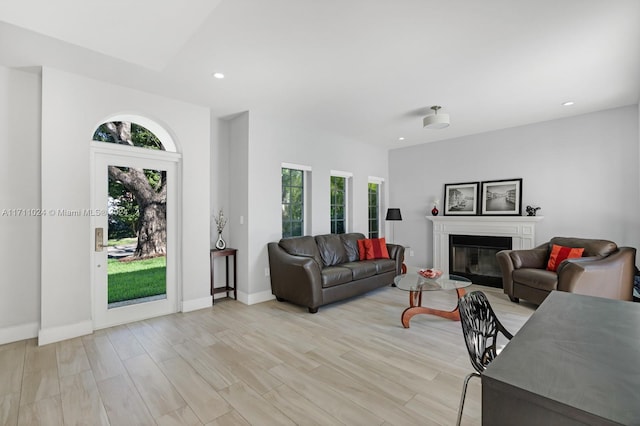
[[338, 204], [374, 210], [292, 203]]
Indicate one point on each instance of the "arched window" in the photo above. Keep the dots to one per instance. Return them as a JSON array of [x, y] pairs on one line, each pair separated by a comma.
[[127, 133]]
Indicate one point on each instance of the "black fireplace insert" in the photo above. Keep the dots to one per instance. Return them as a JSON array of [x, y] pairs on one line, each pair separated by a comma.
[[474, 257]]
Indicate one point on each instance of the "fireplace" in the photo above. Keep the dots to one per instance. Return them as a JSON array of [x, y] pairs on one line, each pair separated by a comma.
[[474, 257], [521, 230]]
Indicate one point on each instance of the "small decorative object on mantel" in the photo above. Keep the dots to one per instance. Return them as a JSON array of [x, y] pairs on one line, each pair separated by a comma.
[[531, 211], [221, 221], [434, 210]]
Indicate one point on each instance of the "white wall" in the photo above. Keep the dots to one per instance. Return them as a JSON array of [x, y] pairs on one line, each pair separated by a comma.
[[272, 141], [238, 181], [219, 189], [582, 171], [72, 107], [20, 95], [219, 173]]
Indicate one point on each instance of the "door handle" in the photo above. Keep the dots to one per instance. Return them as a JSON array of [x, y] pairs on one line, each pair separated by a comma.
[[99, 239]]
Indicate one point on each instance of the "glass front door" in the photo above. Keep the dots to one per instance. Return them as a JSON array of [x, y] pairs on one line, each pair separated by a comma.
[[134, 238]]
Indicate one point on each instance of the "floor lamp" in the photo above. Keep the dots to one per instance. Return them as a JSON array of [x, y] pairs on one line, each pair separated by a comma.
[[394, 215]]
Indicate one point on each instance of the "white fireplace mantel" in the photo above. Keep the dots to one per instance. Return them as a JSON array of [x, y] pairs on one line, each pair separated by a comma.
[[521, 229]]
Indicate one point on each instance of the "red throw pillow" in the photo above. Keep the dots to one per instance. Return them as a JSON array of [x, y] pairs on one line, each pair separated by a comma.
[[373, 248], [560, 253], [362, 251]]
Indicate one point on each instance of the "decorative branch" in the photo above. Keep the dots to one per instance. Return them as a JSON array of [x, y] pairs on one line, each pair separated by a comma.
[[221, 221]]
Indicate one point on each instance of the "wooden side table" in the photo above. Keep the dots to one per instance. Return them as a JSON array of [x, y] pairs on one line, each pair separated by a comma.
[[227, 288]]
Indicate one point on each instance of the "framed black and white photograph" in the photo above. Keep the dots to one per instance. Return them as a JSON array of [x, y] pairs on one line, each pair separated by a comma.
[[461, 199], [502, 197]]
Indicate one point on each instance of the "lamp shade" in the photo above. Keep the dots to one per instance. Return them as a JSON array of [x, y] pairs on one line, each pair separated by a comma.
[[393, 214], [436, 121]]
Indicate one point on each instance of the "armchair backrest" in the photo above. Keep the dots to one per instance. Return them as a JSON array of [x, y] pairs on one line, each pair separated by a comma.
[[598, 248]]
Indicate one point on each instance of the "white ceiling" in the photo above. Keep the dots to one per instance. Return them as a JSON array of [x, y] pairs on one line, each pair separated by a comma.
[[367, 69]]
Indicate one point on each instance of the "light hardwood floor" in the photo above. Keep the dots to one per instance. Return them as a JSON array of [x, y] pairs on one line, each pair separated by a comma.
[[273, 363]]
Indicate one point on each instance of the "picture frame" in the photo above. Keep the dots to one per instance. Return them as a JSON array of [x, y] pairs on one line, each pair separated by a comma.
[[461, 199], [501, 197]]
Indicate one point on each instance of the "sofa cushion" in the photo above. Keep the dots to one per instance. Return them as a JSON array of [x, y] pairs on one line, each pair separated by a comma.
[[302, 246], [384, 265], [601, 248], [536, 278], [361, 269], [331, 249], [350, 242], [561, 253], [335, 275]]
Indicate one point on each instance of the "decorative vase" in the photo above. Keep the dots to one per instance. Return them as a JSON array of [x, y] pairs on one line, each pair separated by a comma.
[[435, 211], [220, 243]]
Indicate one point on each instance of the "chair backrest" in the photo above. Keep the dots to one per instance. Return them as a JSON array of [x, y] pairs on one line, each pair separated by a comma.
[[480, 327]]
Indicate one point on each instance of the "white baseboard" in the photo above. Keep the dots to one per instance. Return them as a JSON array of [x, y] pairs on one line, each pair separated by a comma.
[[254, 298], [19, 332], [64, 332], [195, 304]]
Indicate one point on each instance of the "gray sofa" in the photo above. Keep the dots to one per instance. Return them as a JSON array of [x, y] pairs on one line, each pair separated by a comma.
[[315, 271]]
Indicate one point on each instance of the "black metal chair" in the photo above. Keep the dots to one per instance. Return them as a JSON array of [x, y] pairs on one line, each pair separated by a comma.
[[480, 327]]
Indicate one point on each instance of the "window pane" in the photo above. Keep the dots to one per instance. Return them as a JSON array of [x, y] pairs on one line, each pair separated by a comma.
[[296, 178], [296, 196], [296, 229], [337, 201], [292, 202], [296, 212], [286, 178], [374, 208]]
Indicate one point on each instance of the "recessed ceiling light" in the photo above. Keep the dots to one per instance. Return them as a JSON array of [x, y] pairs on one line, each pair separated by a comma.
[[400, 138], [568, 103], [218, 75]]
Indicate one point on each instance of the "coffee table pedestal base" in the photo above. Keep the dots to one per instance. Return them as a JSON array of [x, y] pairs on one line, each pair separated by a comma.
[[415, 308]]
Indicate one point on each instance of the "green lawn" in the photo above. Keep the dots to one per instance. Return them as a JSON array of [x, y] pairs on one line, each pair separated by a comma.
[[133, 280], [122, 242]]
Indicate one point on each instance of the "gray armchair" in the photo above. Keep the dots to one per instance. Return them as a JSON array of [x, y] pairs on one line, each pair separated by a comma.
[[604, 270]]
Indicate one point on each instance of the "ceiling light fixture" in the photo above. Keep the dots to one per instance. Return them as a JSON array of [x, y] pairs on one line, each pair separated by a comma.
[[568, 103], [436, 121], [400, 138], [218, 75]]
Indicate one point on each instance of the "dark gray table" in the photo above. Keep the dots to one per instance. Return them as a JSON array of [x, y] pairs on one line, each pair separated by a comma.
[[575, 361]]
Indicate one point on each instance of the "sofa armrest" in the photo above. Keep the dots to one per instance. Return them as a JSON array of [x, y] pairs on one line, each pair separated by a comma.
[[294, 278], [506, 266], [610, 277], [396, 252], [510, 260]]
